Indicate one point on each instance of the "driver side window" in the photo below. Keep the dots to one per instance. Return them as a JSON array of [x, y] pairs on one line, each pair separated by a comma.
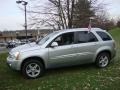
[[65, 39]]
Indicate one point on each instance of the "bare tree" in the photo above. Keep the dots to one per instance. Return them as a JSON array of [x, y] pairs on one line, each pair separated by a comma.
[[61, 14]]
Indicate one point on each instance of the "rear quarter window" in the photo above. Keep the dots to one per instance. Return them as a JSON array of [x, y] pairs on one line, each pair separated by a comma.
[[104, 36]]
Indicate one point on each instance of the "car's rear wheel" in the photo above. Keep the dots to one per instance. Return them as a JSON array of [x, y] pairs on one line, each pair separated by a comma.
[[33, 69], [103, 60]]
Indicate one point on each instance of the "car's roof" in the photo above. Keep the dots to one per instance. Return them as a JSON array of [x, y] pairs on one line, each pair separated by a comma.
[[79, 29]]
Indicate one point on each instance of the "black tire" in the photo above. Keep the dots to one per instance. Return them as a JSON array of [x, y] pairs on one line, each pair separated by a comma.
[[103, 60], [30, 64]]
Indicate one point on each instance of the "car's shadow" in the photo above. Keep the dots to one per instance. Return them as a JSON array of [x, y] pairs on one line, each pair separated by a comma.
[[69, 69]]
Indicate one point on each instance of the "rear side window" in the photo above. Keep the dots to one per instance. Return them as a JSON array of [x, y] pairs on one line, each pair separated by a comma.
[[104, 36], [92, 37], [84, 37]]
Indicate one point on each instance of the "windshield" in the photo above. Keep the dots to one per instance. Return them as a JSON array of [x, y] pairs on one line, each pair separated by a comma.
[[43, 40]]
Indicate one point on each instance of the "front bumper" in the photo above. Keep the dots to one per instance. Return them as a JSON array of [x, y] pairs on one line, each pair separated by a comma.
[[14, 64]]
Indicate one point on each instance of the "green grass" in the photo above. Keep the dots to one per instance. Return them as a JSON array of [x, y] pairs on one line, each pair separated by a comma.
[[86, 77]]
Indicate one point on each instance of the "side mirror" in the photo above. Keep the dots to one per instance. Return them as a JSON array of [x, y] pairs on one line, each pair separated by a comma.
[[54, 44]]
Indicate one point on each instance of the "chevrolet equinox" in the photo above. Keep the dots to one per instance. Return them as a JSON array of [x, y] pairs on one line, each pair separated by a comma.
[[63, 48]]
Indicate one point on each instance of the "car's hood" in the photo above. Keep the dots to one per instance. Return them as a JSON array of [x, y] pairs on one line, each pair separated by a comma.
[[26, 47]]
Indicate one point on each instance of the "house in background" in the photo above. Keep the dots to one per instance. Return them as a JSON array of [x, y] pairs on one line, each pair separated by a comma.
[[34, 34]]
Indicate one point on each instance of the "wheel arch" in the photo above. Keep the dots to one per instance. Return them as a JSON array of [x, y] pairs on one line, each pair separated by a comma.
[[33, 57], [103, 51]]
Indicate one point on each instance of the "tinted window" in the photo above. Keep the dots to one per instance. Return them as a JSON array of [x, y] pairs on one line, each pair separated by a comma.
[[104, 36], [65, 39], [84, 37], [92, 37]]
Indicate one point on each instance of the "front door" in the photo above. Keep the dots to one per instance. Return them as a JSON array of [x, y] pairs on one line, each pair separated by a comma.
[[64, 53]]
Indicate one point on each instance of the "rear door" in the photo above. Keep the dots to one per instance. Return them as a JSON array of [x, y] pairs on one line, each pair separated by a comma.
[[86, 46]]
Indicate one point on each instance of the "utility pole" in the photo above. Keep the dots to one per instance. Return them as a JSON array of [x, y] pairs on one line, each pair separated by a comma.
[[25, 5]]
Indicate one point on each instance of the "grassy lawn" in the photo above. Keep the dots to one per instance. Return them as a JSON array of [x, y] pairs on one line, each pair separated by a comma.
[[86, 77]]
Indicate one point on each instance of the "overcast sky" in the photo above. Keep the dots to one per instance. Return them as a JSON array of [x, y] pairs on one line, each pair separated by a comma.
[[12, 18]]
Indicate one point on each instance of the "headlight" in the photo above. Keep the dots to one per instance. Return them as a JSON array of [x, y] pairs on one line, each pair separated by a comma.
[[17, 54]]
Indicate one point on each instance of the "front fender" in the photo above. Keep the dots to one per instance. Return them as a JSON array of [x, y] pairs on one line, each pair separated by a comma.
[[43, 54]]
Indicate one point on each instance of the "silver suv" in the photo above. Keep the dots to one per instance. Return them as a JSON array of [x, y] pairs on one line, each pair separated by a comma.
[[63, 48]]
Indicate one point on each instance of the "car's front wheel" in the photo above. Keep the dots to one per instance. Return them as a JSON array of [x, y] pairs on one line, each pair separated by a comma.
[[103, 60], [33, 69]]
